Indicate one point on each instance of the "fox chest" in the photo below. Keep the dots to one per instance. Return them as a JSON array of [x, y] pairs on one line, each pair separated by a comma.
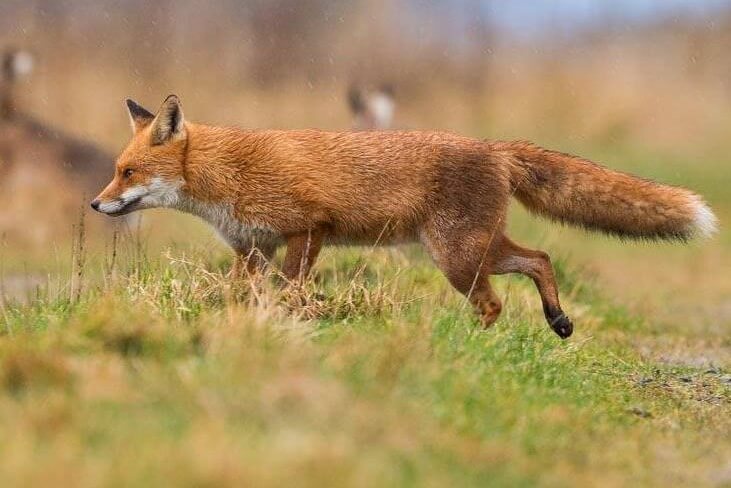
[[238, 234], [244, 236]]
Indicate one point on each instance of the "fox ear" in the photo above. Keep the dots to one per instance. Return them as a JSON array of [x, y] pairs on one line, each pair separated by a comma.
[[139, 117], [169, 123]]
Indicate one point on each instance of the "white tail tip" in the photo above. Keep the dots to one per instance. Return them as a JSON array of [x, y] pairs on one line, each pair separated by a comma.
[[705, 223]]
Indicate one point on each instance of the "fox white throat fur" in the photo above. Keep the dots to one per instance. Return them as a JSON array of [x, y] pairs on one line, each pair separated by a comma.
[[237, 233]]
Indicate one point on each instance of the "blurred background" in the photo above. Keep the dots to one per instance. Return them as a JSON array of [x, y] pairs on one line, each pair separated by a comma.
[[610, 72], [640, 85]]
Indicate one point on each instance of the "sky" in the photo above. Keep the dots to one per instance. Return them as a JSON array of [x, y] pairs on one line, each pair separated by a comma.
[[531, 17]]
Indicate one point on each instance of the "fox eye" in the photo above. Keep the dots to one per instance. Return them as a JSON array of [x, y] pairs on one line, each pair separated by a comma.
[[128, 172]]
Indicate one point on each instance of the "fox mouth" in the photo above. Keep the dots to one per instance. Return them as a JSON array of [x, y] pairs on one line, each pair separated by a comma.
[[128, 207]]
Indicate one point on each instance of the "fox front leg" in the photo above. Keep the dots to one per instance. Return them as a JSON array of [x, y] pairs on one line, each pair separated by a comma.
[[302, 251], [251, 261]]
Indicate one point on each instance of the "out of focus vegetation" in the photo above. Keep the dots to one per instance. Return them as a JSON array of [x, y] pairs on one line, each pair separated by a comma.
[[663, 81]]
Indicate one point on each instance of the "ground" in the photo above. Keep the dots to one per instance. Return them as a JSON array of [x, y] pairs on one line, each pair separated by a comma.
[[135, 362]]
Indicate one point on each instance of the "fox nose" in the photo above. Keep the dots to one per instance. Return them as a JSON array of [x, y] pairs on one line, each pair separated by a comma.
[[95, 204]]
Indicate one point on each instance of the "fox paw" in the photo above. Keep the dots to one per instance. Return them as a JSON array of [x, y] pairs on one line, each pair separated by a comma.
[[562, 326]]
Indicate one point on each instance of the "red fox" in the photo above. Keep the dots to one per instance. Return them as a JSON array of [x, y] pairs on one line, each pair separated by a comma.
[[305, 188]]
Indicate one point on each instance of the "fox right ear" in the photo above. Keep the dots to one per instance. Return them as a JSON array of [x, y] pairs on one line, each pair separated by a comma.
[[139, 117], [169, 123]]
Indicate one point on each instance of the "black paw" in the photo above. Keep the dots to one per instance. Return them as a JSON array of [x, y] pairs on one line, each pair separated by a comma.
[[558, 321], [562, 326]]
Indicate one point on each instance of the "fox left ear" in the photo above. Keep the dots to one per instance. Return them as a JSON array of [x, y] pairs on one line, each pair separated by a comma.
[[139, 117], [169, 122]]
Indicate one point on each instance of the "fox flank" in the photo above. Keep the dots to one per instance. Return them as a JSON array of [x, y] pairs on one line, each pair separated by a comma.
[[306, 188]]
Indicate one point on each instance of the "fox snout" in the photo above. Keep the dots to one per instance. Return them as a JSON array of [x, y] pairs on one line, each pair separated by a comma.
[[115, 201], [154, 193], [121, 205]]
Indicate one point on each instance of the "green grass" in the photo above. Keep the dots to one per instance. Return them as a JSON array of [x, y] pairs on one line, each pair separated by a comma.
[[375, 374]]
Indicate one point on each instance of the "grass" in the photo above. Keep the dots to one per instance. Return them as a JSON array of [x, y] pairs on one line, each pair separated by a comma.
[[158, 371]]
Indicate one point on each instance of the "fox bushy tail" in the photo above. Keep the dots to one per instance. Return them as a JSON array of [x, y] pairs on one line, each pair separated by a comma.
[[576, 191]]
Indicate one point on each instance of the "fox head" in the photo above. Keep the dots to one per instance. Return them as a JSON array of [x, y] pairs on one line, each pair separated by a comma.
[[149, 172]]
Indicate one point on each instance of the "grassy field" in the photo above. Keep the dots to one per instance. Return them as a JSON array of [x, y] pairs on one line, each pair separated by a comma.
[[135, 363]]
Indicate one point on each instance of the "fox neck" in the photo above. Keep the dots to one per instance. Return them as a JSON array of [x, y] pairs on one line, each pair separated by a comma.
[[212, 186], [214, 157], [211, 183]]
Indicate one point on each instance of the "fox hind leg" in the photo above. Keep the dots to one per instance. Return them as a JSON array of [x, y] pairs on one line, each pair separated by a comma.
[[512, 258], [475, 285], [483, 297], [462, 260]]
